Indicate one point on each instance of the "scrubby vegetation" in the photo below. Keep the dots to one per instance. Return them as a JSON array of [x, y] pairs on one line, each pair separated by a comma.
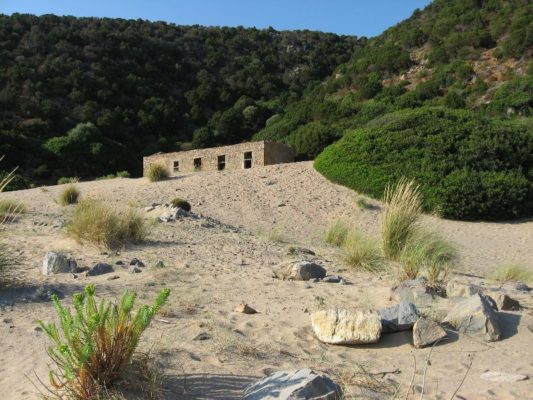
[[69, 195], [512, 273], [336, 233], [157, 172], [101, 225], [10, 209], [65, 179], [92, 347], [362, 252], [468, 167], [180, 203]]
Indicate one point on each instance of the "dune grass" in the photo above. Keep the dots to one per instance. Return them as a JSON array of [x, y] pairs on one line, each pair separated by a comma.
[[336, 233], [101, 225], [362, 252], [403, 209], [427, 253], [10, 209], [512, 273], [157, 172], [69, 195], [5, 260]]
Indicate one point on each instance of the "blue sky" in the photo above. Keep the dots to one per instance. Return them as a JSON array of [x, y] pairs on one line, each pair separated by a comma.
[[351, 17]]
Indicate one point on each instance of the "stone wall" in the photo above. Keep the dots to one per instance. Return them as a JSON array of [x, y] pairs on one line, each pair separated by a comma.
[[226, 157]]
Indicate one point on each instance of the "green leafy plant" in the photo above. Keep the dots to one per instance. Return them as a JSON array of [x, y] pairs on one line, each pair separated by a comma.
[[512, 273], [92, 347], [403, 209], [157, 172], [69, 195], [101, 225], [362, 252], [336, 233], [180, 203]]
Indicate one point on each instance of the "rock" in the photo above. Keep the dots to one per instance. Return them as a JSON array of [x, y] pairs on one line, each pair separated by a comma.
[[100, 269], [55, 263], [137, 262], [346, 326], [495, 376], [414, 291], [294, 250], [522, 287], [133, 269], [181, 213], [399, 317], [332, 279], [475, 316], [244, 309], [202, 336], [456, 288], [149, 208], [427, 332], [113, 277], [506, 303], [299, 271], [119, 262], [44, 293], [302, 384], [159, 264]]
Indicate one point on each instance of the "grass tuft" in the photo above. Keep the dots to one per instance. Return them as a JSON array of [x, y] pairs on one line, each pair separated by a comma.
[[157, 172], [403, 209], [512, 273], [101, 225], [93, 347], [427, 253], [69, 195], [180, 203], [362, 252], [336, 233], [10, 209]]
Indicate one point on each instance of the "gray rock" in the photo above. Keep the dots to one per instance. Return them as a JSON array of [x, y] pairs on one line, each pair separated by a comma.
[[244, 309], [427, 332], [332, 279], [495, 376], [202, 336], [456, 288], [397, 318], [522, 287], [100, 269], [299, 271], [137, 262], [475, 316], [55, 263], [159, 264], [44, 294], [346, 326], [414, 291], [133, 269], [302, 384]]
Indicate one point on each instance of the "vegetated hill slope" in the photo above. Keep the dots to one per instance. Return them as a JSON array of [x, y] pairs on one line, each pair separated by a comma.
[[87, 97], [453, 55]]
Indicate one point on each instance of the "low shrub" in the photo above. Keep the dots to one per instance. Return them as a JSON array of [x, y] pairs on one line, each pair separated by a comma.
[[101, 225], [10, 209], [512, 273], [336, 233], [427, 253], [92, 348], [157, 172], [69, 195], [180, 203], [362, 252], [403, 209], [63, 180], [123, 174]]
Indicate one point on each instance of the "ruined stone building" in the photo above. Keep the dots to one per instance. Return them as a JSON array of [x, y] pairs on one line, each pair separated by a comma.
[[238, 156]]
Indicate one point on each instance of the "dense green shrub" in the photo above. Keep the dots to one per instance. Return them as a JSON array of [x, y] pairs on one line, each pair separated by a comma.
[[180, 203], [157, 172], [469, 167], [92, 347]]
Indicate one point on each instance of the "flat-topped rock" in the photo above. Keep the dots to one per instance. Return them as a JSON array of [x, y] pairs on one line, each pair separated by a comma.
[[397, 318], [299, 271], [346, 326]]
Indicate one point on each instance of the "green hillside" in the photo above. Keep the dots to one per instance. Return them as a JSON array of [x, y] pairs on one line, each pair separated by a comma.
[[87, 96]]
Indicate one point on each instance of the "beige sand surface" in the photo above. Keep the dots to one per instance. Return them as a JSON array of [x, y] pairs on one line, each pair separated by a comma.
[[212, 267]]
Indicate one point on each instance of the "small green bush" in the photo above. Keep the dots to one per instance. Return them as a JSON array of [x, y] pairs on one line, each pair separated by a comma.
[[512, 273], [180, 203], [403, 209], [92, 348], [101, 225], [336, 233], [157, 172], [123, 174], [64, 180], [427, 253], [362, 252], [69, 195]]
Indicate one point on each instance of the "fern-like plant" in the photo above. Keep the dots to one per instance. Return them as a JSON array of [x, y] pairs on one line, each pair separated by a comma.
[[92, 347]]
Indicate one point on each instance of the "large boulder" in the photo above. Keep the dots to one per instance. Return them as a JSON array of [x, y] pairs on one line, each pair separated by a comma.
[[475, 316], [346, 326], [301, 384], [299, 271], [397, 318], [414, 291], [55, 263], [427, 332]]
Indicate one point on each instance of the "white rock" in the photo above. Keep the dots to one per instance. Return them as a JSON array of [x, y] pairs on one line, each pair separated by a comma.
[[346, 326]]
